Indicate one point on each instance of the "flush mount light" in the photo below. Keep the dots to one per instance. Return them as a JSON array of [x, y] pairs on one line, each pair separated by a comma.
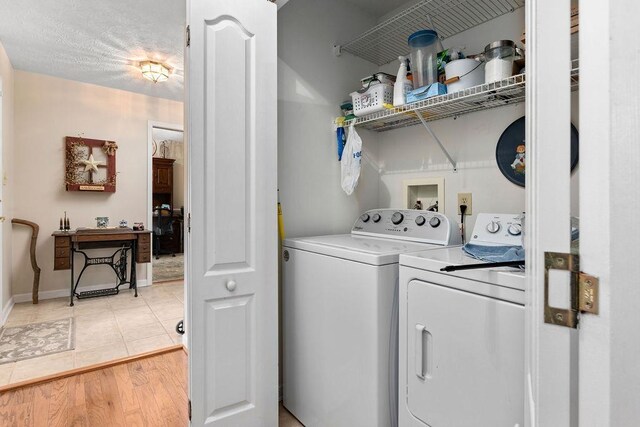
[[154, 71]]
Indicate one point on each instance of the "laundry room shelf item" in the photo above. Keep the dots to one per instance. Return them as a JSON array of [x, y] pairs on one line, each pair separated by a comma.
[[509, 91], [384, 42]]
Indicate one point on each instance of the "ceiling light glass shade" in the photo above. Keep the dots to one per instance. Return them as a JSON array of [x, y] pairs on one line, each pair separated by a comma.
[[154, 71]]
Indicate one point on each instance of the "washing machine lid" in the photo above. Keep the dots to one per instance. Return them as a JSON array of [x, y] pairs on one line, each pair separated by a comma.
[[368, 250], [434, 260]]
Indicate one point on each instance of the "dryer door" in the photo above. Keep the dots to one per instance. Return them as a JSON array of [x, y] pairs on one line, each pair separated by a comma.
[[465, 356]]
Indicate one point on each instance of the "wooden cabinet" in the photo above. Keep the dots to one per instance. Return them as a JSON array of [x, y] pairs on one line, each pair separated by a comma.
[[143, 250], [62, 254], [162, 181]]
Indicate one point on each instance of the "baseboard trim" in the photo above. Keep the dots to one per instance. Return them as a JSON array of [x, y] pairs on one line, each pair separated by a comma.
[[64, 293], [6, 310], [90, 368]]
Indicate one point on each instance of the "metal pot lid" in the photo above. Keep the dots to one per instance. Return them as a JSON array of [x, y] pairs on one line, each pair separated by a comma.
[[499, 43]]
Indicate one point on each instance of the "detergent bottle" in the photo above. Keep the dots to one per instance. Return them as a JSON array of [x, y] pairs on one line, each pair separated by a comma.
[[402, 84]]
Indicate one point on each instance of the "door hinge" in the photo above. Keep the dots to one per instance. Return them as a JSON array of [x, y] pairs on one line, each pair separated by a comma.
[[189, 223], [584, 290], [188, 36], [189, 409]]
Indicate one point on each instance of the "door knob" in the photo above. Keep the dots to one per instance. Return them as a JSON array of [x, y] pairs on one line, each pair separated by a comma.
[[231, 285]]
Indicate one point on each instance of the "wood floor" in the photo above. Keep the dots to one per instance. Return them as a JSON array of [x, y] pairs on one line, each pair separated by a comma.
[[146, 392]]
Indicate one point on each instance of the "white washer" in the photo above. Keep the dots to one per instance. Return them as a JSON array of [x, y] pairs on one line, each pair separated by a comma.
[[461, 343], [338, 299]]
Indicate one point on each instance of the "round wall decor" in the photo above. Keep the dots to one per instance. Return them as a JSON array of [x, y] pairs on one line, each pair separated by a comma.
[[511, 151]]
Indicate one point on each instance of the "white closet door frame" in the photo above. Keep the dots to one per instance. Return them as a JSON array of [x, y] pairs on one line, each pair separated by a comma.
[[602, 388], [549, 348], [609, 379]]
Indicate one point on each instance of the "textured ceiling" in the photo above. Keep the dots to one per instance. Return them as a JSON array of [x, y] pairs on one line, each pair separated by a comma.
[[97, 42]]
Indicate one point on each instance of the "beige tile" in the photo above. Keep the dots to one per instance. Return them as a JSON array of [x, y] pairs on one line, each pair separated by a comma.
[[52, 313], [134, 318], [93, 338], [55, 303], [6, 370], [95, 323], [168, 310], [159, 297], [170, 327], [42, 366], [149, 344], [23, 318], [133, 333], [23, 307], [91, 307], [180, 296], [128, 303], [100, 354]]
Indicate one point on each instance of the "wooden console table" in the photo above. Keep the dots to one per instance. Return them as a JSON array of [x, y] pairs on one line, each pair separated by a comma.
[[68, 243]]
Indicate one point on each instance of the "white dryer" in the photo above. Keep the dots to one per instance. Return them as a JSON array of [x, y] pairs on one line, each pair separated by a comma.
[[340, 354], [461, 345]]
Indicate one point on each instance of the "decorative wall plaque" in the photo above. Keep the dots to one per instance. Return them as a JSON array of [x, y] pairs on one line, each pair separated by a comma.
[[91, 164]]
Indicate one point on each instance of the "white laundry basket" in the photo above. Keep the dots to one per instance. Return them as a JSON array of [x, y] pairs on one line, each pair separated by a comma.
[[372, 100]]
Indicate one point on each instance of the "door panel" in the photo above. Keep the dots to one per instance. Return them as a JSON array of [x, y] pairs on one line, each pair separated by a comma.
[[465, 358], [228, 382], [232, 267], [229, 74]]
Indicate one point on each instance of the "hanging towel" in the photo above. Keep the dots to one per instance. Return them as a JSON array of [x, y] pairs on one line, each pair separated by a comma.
[[495, 253]]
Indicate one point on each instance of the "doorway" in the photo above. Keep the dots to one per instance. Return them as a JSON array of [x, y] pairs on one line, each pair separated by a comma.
[[166, 201]]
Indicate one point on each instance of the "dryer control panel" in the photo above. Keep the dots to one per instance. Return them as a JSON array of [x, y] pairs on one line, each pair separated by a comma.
[[498, 229], [407, 224]]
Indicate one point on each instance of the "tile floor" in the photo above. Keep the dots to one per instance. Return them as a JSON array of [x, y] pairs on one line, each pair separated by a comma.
[[107, 328], [286, 418]]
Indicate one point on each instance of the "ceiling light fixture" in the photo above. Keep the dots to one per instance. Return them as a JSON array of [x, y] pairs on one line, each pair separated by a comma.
[[154, 71]]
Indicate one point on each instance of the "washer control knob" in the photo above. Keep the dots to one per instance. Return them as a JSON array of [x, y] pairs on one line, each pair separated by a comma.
[[493, 227], [434, 222], [376, 217], [364, 217], [515, 229], [397, 218], [231, 285], [420, 220]]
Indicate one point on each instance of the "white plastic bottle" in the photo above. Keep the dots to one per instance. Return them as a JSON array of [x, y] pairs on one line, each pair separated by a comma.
[[402, 84]]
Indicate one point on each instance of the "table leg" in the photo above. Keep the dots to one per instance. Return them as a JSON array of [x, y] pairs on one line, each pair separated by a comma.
[[134, 279], [71, 293]]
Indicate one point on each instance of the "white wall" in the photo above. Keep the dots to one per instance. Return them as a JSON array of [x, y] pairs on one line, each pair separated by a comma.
[[312, 83], [470, 139], [7, 136], [46, 110]]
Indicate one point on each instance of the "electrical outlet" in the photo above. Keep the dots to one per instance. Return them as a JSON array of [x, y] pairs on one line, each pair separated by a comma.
[[464, 199]]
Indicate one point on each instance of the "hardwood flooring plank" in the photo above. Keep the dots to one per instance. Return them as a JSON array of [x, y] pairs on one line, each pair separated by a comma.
[[150, 410], [112, 397], [136, 372], [170, 407], [125, 389], [97, 410], [136, 393], [41, 401], [59, 402], [135, 419]]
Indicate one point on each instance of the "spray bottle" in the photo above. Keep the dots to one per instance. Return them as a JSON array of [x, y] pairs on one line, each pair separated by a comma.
[[402, 84]]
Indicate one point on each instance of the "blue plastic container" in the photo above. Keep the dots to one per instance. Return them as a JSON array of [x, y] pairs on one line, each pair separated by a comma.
[[424, 57]]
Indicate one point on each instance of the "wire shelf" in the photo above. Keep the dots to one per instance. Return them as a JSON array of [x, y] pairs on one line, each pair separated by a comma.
[[509, 91], [384, 42]]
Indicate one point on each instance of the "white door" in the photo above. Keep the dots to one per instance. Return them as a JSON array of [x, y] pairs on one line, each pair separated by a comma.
[[483, 370], [587, 376], [232, 263]]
